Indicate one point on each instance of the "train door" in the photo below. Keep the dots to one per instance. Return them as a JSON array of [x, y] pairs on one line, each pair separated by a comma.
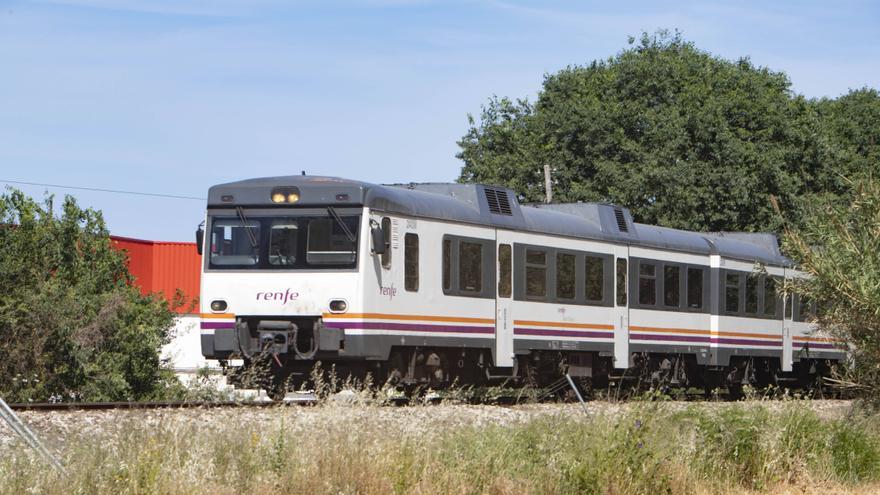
[[787, 344], [504, 300], [620, 313]]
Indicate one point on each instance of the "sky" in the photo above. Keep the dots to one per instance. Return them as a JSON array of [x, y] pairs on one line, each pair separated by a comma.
[[173, 96]]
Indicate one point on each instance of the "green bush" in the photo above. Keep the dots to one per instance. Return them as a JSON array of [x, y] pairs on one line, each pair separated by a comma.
[[72, 326]]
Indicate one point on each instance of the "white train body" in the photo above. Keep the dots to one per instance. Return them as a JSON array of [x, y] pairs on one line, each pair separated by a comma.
[[469, 271]]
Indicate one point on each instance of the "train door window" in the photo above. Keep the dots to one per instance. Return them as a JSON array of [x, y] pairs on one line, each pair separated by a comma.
[[386, 231], [731, 293], [470, 267], [283, 234], [695, 288], [536, 273], [770, 296], [411, 262], [621, 281], [595, 278], [647, 284], [789, 304], [752, 285], [504, 265], [565, 276], [447, 264], [671, 285]]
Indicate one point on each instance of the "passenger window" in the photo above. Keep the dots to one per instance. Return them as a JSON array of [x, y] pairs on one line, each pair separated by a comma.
[[695, 288], [386, 231], [411, 262], [752, 294], [671, 285], [504, 278], [770, 296], [565, 276], [647, 284], [595, 276], [470, 266], [621, 281], [447, 264], [536, 273], [731, 293]]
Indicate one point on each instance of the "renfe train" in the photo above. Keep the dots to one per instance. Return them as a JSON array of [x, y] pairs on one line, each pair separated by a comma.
[[438, 284]]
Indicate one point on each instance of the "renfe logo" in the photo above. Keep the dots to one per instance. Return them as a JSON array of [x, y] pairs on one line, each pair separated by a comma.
[[388, 291], [278, 296]]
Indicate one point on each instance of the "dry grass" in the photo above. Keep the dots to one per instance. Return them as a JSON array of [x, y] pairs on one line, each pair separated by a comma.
[[619, 449]]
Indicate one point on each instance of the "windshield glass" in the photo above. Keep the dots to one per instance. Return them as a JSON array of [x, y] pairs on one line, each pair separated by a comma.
[[328, 242], [232, 245], [315, 241]]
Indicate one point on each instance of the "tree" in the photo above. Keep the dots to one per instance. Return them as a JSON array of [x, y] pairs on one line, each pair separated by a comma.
[[72, 326], [838, 245], [683, 138]]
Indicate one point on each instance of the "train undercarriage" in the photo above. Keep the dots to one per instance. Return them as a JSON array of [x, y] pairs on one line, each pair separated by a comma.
[[435, 368]]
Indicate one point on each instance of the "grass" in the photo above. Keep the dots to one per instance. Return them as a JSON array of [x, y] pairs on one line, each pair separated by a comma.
[[646, 447]]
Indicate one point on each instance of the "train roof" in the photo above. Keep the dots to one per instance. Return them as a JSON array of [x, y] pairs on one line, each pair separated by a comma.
[[498, 207]]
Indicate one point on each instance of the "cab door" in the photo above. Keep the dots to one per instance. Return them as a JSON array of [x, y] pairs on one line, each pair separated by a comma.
[[504, 352], [787, 344]]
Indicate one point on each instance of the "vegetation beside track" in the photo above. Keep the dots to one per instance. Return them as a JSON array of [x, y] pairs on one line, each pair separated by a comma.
[[637, 447]]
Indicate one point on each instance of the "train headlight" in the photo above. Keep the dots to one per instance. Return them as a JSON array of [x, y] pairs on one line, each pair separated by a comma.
[[278, 198], [338, 306], [292, 198], [218, 305]]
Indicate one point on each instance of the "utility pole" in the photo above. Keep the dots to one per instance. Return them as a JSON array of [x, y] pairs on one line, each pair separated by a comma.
[[548, 184]]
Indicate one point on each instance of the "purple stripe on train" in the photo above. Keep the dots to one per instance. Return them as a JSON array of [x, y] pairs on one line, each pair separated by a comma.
[[819, 346], [414, 327], [564, 333], [665, 338], [762, 343], [218, 324]]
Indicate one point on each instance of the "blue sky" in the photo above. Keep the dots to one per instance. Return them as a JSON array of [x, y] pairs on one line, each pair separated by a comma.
[[172, 96]]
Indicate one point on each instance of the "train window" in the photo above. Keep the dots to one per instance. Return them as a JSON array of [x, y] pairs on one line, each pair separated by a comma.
[[536, 273], [411, 262], [731, 293], [752, 294], [447, 264], [504, 262], [770, 296], [283, 235], [647, 284], [386, 231], [671, 285], [595, 276], [329, 244], [695, 288], [806, 309], [789, 304], [470, 266], [234, 243], [621, 281], [565, 276]]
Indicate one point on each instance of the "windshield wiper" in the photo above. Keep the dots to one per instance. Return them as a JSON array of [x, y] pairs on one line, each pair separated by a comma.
[[345, 230], [247, 228]]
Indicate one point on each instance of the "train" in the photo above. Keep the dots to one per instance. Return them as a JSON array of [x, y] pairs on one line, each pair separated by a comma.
[[439, 284]]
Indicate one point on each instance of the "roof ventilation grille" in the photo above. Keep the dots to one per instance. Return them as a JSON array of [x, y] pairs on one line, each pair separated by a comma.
[[621, 220], [498, 201]]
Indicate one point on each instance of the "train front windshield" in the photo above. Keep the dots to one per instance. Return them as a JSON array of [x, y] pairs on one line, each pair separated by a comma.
[[286, 242]]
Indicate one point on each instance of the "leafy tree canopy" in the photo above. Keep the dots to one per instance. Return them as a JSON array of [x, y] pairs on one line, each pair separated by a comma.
[[684, 138], [71, 326]]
